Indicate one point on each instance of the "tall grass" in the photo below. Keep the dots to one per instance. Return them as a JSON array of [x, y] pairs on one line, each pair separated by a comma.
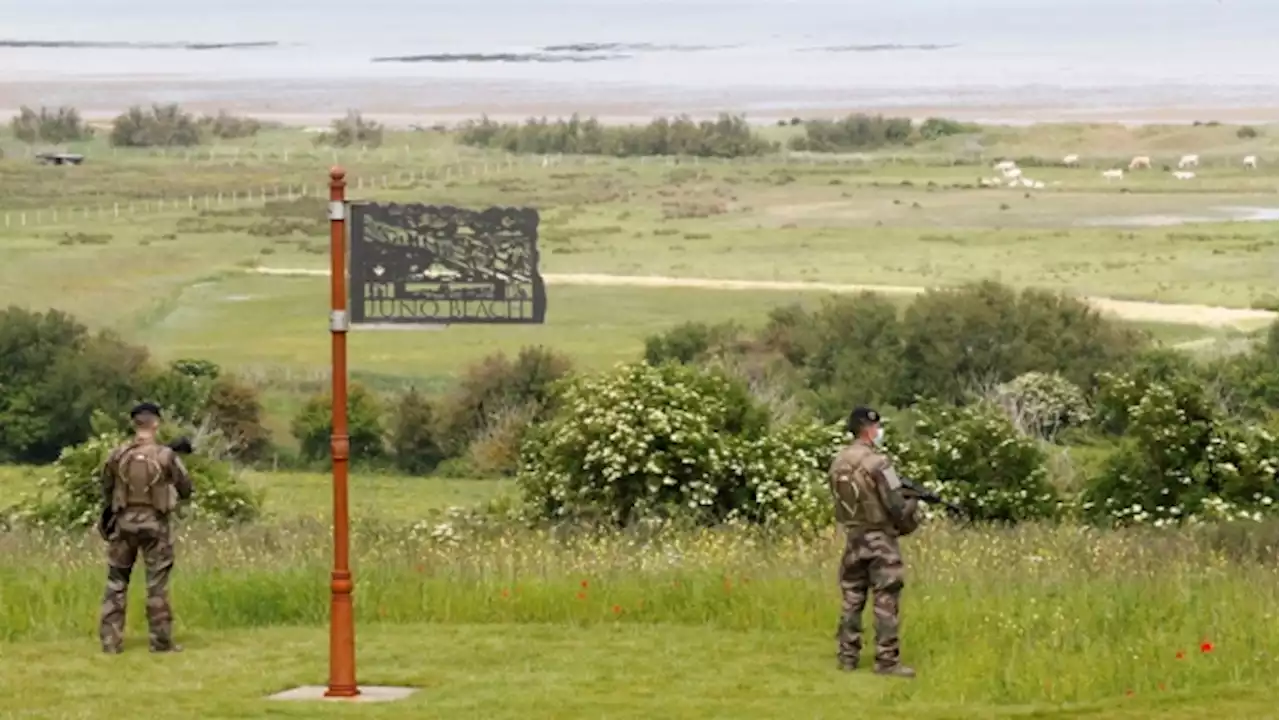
[[1036, 613]]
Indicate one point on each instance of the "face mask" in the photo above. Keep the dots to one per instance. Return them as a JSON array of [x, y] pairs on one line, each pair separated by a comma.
[[879, 439]]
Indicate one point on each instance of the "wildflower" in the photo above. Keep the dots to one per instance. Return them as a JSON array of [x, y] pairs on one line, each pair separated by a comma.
[[1161, 686], [582, 596], [583, 584], [1206, 647], [1180, 655], [505, 593], [1128, 693], [617, 609], [421, 568]]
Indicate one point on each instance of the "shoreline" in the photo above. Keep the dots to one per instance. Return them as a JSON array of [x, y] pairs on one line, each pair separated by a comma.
[[416, 101]]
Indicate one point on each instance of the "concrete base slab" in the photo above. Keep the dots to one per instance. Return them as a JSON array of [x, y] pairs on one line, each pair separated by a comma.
[[368, 694]]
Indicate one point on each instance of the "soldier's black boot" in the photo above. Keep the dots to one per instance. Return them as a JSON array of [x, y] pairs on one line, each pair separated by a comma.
[[896, 670], [169, 647], [847, 664], [112, 649]]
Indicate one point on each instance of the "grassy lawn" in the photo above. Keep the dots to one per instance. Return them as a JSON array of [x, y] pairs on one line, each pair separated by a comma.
[[536, 671], [1035, 621]]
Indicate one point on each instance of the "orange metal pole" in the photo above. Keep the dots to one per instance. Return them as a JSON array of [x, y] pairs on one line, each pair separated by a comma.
[[342, 634]]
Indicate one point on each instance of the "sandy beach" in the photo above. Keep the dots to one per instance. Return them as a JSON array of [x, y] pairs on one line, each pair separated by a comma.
[[401, 102]]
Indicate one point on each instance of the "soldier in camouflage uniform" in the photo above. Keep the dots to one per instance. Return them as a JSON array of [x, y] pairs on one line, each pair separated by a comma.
[[142, 482], [873, 510]]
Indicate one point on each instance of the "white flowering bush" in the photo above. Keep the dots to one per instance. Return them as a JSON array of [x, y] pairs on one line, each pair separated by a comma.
[[1043, 404], [1184, 460], [71, 496], [642, 443], [973, 457]]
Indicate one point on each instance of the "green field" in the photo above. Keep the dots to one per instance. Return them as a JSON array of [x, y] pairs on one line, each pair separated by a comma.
[[1037, 621]]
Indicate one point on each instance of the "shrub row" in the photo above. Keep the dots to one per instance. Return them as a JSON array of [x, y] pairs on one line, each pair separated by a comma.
[[728, 136], [476, 428], [171, 126], [987, 391]]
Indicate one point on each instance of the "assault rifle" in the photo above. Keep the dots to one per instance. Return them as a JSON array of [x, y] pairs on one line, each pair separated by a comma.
[[107, 520], [930, 497]]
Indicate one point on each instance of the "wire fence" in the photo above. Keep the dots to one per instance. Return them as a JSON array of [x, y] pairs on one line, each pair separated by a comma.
[[439, 165], [494, 167]]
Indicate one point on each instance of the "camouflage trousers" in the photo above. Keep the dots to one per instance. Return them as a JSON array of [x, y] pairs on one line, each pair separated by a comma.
[[152, 540], [871, 562]]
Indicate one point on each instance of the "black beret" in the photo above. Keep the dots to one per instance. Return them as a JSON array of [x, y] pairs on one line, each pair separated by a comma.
[[861, 417], [146, 407]]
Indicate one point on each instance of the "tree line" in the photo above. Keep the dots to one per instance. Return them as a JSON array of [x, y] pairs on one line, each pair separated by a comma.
[[982, 385]]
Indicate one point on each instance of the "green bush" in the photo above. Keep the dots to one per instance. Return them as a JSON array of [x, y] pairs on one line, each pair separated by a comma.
[[727, 136], [688, 341], [854, 132], [63, 125], [1249, 382], [352, 130], [53, 375], [160, 126], [1118, 391], [934, 128], [850, 349], [947, 345], [313, 427], [1183, 459], [233, 408], [414, 448], [672, 442], [494, 387], [957, 339], [225, 126], [975, 458], [1043, 404], [71, 496]]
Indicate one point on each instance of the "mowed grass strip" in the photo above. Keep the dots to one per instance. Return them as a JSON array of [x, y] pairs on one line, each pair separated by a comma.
[[616, 671]]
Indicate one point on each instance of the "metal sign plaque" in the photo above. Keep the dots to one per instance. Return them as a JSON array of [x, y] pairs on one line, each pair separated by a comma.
[[418, 264]]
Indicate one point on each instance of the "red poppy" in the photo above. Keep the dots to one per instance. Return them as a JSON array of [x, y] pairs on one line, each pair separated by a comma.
[[1161, 686], [505, 593], [1128, 693], [422, 568], [582, 596], [1180, 655], [1206, 647], [583, 584], [617, 609]]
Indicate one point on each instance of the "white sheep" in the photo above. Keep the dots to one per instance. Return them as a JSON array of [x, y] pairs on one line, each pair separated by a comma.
[[1251, 162], [1038, 185], [1012, 172], [1182, 175], [1141, 161], [1189, 161], [1027, 182], [1004, 165], [1112, 174], [1071, 160]]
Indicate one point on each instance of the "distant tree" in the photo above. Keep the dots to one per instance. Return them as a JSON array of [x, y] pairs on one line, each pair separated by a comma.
[[161, 126], [225, 126], [352, 130], [51, 126]]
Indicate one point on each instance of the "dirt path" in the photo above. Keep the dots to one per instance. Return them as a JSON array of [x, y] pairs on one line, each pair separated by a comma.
[[1133, 310]]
